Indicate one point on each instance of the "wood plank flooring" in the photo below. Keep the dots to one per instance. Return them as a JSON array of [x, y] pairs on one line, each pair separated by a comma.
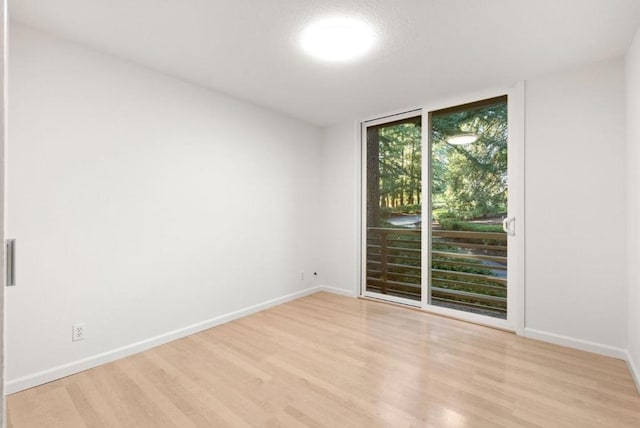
[[331, 361]]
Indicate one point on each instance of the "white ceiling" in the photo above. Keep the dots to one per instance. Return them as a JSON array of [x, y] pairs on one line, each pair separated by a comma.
[[426, 49]]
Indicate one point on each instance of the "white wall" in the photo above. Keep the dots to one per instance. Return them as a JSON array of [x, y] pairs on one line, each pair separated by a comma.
[[633, 189], [142, 205], [575, 206], [340, 177], [575, 200]]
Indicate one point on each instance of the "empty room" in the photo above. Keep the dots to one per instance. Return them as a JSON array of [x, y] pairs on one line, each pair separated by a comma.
[[321, 213]]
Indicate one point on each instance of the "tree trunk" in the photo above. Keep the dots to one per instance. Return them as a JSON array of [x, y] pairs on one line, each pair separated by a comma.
[[373, 177]]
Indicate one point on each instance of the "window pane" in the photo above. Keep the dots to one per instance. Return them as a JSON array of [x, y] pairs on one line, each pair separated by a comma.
[[469, 202], [394, 208]]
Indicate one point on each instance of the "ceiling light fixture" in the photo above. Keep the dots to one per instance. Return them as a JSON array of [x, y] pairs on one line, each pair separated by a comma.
[[337, 39], [462, 139]]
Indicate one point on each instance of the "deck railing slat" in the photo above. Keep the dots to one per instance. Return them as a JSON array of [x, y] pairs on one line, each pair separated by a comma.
[[461, 276]]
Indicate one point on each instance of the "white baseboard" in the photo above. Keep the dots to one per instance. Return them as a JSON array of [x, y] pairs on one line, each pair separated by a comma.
[[634, 369], [583, 345], [73, 367], [339, 291]]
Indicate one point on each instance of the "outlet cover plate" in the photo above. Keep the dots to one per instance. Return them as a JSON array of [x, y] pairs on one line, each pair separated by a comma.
[[78, 332]]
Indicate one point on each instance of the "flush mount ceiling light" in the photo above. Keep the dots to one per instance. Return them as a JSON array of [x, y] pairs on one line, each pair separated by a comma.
[[337, 39], [462, 139]]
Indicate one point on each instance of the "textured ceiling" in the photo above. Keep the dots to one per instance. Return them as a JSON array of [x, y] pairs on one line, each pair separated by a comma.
[[426, 49]]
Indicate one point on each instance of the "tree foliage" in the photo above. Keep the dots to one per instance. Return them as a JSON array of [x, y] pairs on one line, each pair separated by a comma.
[[470, 181], [400, 166], [394, 169], [467, 182]]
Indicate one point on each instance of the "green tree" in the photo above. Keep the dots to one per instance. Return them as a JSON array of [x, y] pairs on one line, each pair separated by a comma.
[[400, 162], [470, 181]]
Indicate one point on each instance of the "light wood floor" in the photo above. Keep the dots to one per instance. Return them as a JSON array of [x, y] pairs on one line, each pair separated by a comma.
[[330, 361]]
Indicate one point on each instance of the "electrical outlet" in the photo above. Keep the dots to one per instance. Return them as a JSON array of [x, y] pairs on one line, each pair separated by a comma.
[[78, 332], [301, 275]]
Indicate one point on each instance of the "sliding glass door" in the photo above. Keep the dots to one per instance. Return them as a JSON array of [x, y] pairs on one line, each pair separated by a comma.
[[469, 191], [437, 222], [393, 209]]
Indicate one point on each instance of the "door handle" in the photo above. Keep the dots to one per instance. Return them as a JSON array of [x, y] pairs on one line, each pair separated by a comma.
[[11, 262], [508, 225]]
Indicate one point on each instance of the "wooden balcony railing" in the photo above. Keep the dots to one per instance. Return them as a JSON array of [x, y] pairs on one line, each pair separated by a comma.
[[468, 269]]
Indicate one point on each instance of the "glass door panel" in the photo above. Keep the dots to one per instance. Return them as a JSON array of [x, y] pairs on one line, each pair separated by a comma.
[[394, 209], [468, 199]]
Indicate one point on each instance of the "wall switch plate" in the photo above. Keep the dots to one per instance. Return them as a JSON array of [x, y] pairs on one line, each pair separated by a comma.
[[78, 332]]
